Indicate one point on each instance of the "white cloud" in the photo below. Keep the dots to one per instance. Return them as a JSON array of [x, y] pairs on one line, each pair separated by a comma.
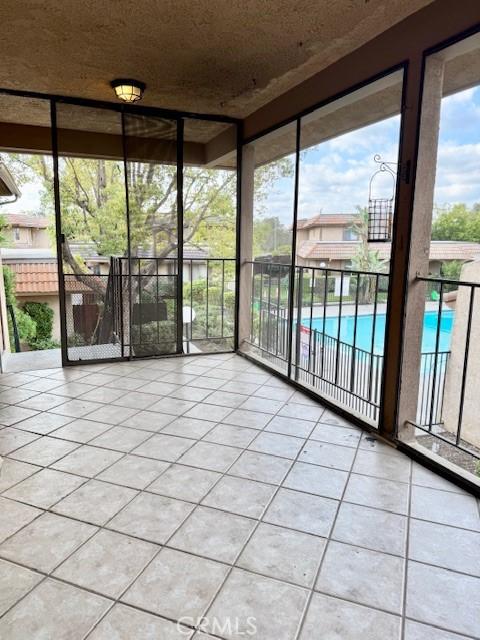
[[458, 174]]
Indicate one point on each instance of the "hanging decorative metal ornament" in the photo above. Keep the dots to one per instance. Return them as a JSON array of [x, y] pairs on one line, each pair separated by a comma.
[[380, 206]]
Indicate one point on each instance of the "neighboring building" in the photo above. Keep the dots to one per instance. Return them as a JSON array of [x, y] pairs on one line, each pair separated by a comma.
[[29, 256], [34, 263], [25, 231], [328, 240]]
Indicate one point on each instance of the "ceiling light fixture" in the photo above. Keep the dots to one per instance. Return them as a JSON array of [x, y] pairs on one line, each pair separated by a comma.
[[128, 90]]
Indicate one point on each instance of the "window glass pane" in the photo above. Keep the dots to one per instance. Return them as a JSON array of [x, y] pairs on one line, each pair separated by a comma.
[[151, 149], [268, 195], [93, 224], [209, 234], [28, 250], [346, 203]]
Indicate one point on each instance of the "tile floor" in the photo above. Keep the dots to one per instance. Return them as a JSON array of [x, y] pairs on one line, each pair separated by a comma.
[[138, 499]]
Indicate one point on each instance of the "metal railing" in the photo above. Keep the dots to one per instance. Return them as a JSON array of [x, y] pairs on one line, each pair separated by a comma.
[[448, 406], [334, 341], [433, 374], [324, 343], [209, 291], [133, 309]]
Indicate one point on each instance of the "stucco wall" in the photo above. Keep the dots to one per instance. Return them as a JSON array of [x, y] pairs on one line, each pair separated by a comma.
[[453, 385]]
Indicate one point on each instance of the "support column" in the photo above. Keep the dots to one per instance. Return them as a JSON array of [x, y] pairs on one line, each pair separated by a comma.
[[246, 243], [410, 249]]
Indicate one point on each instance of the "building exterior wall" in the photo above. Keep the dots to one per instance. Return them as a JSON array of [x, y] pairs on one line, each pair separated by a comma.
[[434, 267], [20, 237], [453, 384], [302, 235], [332, 233], [28, 238], [40, 239]]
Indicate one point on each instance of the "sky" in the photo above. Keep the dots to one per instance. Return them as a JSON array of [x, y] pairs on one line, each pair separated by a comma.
[[335, 175]]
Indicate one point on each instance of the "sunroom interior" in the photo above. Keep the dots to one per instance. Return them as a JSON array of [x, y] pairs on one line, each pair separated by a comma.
[[246, 432]]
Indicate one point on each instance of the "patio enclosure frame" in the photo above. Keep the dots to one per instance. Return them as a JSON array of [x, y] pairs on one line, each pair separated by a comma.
[[125, 111], [395, 404]]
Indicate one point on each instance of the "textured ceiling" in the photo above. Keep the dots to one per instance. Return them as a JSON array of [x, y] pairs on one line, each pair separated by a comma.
[[205, 56]]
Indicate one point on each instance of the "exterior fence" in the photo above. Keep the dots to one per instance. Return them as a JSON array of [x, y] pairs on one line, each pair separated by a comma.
[[334, 343]]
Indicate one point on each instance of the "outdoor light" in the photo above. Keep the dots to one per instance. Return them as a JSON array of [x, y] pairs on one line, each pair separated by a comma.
[[128, 90]]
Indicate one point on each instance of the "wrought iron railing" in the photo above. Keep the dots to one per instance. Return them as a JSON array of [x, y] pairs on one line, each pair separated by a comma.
[[132, 309], [433, 373], [448, 406], [333, 342], [350, 375], [312, 332]]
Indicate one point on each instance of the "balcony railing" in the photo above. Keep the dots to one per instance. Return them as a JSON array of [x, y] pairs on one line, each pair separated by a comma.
[[334, 342], [325, 330], [448, 405], [133, 309]]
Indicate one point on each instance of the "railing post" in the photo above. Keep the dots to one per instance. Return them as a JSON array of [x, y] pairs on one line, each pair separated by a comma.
[[298, 326], [291, 288]]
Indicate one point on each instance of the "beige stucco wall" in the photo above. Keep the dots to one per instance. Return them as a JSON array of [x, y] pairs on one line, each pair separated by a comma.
[[28, 238], [20, 237], [332, 233], [302, 235], [41, 239], [453, 385]]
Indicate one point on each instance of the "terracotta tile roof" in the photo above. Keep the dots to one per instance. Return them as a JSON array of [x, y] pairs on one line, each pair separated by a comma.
[[35, 277], [345, 250], [325, 219], [40, 278], [26, 220], [446, 250]]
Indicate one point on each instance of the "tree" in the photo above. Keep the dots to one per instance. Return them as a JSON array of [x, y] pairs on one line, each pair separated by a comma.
[[26, 326], [270, 235], [451, 270], [3, 226], [366, 259], [457, 223], [92, 194]]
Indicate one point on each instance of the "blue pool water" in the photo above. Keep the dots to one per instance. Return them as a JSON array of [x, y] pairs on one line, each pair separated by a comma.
[[365, 326]]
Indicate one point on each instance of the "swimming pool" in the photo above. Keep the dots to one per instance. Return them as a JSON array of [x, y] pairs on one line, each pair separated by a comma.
[[365, 326]]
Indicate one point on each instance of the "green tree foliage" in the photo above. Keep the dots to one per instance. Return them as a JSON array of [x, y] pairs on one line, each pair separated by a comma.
[[451, 270], [271, 236], [92, 193], [42, 315], [457, 223], [9, 284], [365, 259], [26, 326], [3, 227]]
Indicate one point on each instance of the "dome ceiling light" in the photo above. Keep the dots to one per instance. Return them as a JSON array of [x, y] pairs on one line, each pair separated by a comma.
[[128, 90]]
